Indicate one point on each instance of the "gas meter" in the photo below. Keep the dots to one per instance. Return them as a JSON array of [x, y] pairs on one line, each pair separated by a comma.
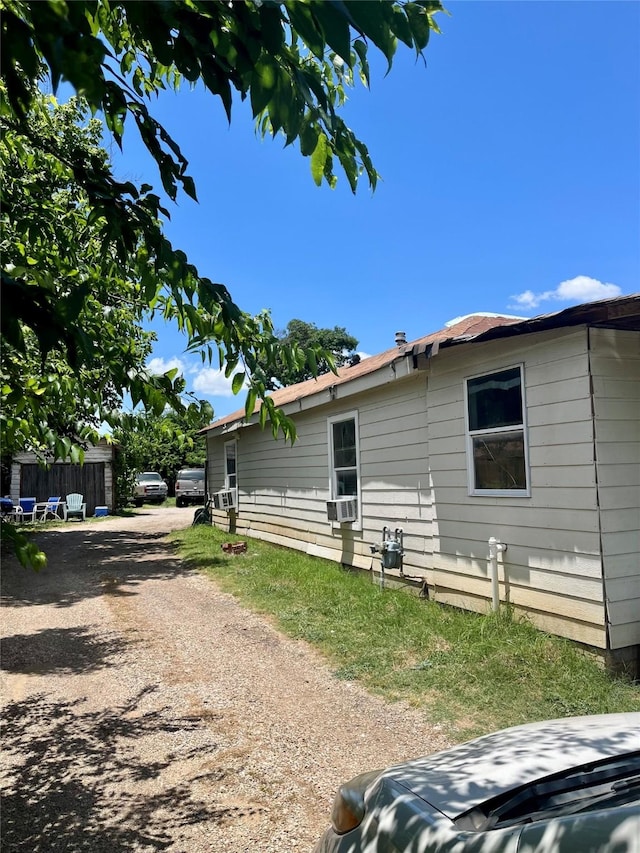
[[391, 551]]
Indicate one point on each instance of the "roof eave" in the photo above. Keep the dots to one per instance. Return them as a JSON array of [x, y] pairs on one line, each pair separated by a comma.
[[398, 368]]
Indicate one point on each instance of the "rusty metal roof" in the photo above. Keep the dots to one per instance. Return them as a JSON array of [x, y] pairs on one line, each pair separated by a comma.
[[620, 312]]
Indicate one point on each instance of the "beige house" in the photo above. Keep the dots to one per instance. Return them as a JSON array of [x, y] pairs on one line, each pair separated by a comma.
[[526, 432]]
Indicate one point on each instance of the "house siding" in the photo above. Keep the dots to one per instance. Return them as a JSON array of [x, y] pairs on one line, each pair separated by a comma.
[[615, 369], [283, 489], [572, 558], [552, 567]]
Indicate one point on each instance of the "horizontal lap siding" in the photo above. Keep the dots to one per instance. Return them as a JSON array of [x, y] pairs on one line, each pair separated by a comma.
[[615, 367], [283, 489], [552, 568], [414, 476], [215, 464], [394, 467]]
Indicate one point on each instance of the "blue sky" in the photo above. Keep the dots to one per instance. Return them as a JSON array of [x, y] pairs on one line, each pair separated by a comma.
[[510, 183]]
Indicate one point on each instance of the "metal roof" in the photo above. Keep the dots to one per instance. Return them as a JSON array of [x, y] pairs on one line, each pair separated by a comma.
[[622, 312]]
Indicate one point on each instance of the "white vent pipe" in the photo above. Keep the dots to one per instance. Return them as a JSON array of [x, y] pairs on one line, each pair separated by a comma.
[[495, 547]]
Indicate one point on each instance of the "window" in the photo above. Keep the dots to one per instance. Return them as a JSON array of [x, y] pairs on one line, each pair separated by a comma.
[[344, 463], [190, 474], [496, 434], [230, 468]]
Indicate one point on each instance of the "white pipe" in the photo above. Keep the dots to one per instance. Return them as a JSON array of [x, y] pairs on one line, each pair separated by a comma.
[[495, 547]]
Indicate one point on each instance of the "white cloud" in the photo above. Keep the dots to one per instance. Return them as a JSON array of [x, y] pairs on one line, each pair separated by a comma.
[[207, 381], [582, 288], [160, 365], [585, 289], [212, 382]]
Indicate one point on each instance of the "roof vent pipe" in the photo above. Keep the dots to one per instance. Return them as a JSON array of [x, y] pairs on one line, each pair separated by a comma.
[[401, 338]]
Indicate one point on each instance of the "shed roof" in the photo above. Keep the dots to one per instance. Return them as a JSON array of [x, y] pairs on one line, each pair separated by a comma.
[[620, 312]]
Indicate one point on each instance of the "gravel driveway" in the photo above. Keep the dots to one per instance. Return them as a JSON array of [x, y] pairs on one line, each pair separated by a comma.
[[146, 710]]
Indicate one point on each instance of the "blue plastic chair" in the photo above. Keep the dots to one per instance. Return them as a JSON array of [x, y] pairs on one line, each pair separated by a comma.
[[50, 508], [28, 507]]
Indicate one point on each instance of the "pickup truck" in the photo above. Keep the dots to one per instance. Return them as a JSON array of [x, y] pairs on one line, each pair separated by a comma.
[[190, 486], [149, 487]]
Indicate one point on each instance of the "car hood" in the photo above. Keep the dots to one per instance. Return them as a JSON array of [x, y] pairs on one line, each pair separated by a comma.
[[467, 775]]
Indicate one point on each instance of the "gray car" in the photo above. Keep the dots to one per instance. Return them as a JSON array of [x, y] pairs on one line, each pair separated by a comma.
[[563, 786]]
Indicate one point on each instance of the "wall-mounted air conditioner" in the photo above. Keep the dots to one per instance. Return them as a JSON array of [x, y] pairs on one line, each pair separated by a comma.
[[226, 499], [342, 509]]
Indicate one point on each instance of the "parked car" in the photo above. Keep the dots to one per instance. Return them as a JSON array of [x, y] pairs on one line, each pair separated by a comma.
[[190, 486], [149, 487], [563, 786]]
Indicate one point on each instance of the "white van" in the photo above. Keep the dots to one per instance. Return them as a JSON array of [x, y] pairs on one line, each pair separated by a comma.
[[190, 486]]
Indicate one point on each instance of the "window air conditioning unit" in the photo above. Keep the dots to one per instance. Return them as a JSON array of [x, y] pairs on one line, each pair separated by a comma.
[[342, 509], [226, 499]]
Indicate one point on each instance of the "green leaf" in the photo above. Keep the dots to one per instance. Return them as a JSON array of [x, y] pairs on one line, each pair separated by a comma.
[[419, 23], [312, 361], [237, 382], [304, 25], [319, 159], [250, 403], [360, 48], [263, 84], [217, 81], [371, 18], [335, 29], [400, 26], [271, 27], [189, 187], [308, 139]]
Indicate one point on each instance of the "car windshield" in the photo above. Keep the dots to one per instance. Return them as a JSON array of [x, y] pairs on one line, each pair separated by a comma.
[[195, 474], [149, 475], [613, 782]]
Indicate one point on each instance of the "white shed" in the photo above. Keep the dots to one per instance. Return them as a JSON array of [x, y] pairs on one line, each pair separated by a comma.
[[526, 431]]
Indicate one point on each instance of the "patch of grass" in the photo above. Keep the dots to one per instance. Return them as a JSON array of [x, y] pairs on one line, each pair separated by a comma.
[[470, 672]]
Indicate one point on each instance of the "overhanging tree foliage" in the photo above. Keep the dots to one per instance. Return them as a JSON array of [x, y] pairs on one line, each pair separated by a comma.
[[293, 60], [62, 380], [305, 336]]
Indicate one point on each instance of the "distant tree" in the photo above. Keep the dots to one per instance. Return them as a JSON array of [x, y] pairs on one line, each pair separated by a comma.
[[307, 337]]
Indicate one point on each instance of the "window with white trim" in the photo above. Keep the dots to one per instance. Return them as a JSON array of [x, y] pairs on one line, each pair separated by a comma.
[[344, 456], [496, 434], [230, 465]]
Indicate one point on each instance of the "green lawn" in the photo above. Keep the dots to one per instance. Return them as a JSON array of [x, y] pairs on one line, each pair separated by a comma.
[[471, 673]]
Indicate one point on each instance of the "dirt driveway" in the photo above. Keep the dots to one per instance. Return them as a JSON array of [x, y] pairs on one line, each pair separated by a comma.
[[146, 710]]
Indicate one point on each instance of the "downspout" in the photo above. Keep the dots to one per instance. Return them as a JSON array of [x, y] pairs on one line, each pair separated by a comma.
[[495, 547]]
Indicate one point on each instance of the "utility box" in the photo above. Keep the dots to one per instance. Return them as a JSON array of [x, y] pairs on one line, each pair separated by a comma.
[[342, 510], [225, 499]]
